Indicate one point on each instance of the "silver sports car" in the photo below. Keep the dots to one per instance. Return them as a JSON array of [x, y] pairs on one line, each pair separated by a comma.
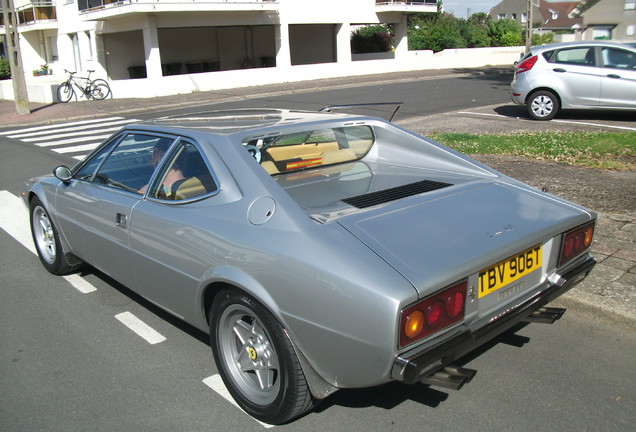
[[321, 251]]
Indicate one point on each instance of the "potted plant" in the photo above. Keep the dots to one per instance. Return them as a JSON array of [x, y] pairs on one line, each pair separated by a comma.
[[44, 70]]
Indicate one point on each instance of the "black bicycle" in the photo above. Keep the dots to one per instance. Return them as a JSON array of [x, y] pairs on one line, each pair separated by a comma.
[[97, 89]]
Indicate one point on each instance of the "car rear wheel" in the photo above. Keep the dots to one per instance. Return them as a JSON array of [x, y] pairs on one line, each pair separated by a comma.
[[47, 241], [543, 105], [256, 359]]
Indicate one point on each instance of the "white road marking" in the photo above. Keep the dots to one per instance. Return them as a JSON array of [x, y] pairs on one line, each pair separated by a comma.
[[72, 140], [71, 137], [23, 134], [57, 126], [595, 124], [68, 134], [80, 284], [14, 219], [78, 148], [140, 328], [555, 121], [216, 383]]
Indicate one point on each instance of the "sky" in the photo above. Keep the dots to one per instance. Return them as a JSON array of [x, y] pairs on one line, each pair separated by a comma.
[[460, 7]]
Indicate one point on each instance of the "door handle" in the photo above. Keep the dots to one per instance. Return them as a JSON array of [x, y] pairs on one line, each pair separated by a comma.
[[120, 220], [614, 76], [560, 70]]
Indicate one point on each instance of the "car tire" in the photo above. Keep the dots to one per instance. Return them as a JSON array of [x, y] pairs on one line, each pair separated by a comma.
[[47, 240], [256, 359], [543, 105]]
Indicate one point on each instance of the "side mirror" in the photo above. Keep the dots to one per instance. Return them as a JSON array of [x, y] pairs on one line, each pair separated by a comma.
[[63, 173]]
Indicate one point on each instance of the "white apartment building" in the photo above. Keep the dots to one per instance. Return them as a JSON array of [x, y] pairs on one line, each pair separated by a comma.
[[160, 47]]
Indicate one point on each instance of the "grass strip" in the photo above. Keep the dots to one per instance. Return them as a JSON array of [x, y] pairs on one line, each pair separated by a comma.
[[604, 150]]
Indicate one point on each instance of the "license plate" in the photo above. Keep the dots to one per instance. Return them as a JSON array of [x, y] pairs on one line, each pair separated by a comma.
[[509, 270]]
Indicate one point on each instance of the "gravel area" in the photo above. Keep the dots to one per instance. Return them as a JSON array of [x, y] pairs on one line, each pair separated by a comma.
[[600, 190]]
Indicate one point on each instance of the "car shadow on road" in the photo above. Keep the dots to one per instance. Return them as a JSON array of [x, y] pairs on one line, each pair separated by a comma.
[[615, 116], [91, 272], [391, 395]]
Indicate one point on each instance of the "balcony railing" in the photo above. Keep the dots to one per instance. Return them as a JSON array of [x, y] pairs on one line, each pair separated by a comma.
[[90, 5], [405, 2], [36, 11]]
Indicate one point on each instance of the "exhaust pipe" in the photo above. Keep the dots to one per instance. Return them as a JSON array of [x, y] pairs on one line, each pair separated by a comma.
[[451, 377], [546, 315]]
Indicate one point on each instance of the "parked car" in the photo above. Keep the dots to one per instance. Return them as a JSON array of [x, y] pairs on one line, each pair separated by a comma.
[[319, 250], [575, 75]]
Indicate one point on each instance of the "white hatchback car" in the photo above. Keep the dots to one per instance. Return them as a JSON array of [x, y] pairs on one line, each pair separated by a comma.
[[575, 75]]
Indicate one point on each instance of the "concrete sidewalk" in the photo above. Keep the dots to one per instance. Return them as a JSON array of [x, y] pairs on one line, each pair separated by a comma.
[[608, 294]]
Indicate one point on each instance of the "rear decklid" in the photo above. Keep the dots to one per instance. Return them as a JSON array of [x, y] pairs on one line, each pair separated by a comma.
[[437, 238]]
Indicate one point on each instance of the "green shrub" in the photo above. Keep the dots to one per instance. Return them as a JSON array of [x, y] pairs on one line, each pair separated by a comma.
[[435, 32], [371, 39], [505, 32], [540, 39], [5, 69]]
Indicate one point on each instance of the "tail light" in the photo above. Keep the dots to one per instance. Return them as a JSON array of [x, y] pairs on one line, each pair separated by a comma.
[[527, 64], [575, 242], [433, 314]]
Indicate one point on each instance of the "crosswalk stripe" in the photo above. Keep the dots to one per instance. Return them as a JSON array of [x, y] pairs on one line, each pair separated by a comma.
[[72, 127], [74, 138], [58, 125], [77, 149], [67, 132]]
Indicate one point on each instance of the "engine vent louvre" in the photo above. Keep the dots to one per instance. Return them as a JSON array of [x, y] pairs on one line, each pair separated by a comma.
[[393, 194]]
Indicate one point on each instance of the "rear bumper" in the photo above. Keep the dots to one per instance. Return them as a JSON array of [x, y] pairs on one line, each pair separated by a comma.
[[411, 367]]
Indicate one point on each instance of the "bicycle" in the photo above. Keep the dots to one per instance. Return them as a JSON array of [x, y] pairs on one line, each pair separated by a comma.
[[97, 89]]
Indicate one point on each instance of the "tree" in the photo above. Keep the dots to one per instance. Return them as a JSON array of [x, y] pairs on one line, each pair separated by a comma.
[[505, 32], [475, 30]]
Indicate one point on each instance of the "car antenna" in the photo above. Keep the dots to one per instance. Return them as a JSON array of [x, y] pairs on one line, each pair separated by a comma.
[[330, 108]]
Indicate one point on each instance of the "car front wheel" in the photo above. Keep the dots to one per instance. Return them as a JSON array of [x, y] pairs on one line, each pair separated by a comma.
[[543, 105], [47, 241], [256, 359]]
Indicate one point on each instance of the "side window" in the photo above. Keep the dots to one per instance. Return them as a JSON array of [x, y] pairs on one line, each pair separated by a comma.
[[547, 55], [87, 170], [184, 175], [618, 59], [583, 56], [130, 166]]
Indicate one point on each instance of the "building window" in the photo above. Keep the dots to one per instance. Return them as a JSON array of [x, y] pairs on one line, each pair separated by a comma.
[[601, 33], [514, 16], [630, 4], [501, 16], [524, 17], [631, 30]]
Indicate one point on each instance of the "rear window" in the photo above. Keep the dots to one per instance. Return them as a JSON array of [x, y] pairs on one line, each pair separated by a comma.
[[311, 148], [583, 56]]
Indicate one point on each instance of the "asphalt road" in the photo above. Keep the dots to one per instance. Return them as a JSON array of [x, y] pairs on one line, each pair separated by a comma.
[[67, 363], [420, 97]]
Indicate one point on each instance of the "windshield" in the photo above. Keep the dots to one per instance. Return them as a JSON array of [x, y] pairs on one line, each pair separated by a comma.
[[311, 148]]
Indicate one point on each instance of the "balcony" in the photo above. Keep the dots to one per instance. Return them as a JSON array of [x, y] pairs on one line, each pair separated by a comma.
[[405, 6], [104, 9], [35, 12]]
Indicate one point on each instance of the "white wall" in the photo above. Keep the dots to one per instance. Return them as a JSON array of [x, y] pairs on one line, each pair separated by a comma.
[[210, 81]]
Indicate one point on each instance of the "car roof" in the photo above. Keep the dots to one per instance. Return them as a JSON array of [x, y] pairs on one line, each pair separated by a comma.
[[227, 122], [541, 48]]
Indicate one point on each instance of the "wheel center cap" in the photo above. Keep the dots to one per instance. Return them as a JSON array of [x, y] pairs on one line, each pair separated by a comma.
[[252, 353]]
